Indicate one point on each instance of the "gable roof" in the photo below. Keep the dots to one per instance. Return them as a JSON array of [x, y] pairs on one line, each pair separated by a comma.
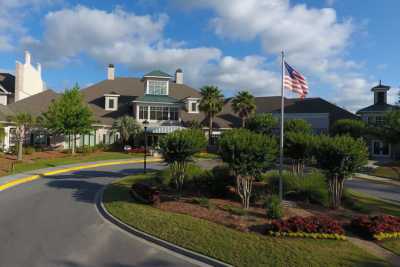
[[157, 73], [129, 89], [35, 104], [7, 82], [377, 108]]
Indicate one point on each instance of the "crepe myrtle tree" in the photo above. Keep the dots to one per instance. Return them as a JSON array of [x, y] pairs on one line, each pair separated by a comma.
[[262, 123], [247, 154], [178, 149], [298, 126], [298, 147], [340, 157], [354, 128]]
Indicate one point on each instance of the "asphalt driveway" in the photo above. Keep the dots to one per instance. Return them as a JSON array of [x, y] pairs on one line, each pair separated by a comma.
[[53, 221]]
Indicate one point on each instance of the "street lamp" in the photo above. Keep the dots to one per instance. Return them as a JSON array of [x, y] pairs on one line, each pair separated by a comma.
[[145, 123]]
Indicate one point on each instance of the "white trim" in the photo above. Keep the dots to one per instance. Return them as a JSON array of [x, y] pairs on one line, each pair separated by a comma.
[[107, 103], [147, 86], [159, 77], [112, 95]]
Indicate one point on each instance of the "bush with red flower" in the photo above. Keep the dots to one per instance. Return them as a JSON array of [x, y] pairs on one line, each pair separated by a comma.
[[378, 227], [318, 227]]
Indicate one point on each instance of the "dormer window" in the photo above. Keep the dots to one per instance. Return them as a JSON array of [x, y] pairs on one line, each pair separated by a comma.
[[157, 87], [192, 105], [111, 102]]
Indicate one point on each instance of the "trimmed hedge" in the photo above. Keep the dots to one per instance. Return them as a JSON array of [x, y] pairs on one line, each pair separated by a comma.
[[378, 227], [313, 227]]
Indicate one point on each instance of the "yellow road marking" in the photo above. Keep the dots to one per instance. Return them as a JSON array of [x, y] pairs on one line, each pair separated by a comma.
[[27, 179]]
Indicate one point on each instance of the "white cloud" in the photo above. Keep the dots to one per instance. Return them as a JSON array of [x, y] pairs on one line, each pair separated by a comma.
[[138, 42], [314, 41], [12, 15]]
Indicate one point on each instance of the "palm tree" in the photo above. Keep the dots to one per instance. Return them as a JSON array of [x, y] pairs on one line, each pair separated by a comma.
[[127, 126], [244, 105], [211, 103], [23, 122]]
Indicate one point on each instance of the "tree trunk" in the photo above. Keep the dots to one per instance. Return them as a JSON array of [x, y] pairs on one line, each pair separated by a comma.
[[335, 184], [21, 135], [210, 128], [20, 148], [243, 122], [73, 144], [244, 185]]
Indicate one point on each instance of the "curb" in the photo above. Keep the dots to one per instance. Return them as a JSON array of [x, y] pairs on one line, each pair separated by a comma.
[[30, 178], [173, 249]]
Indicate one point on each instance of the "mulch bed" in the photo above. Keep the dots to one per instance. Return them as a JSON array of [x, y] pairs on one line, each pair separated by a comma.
[[220, 211]]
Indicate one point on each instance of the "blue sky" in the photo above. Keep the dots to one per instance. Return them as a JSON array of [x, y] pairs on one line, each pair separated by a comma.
[[343, 47]]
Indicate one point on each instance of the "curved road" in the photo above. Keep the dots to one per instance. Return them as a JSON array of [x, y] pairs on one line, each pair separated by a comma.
[[380, 190], [53, 221]]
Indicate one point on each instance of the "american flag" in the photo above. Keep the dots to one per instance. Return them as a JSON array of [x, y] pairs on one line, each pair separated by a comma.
[[294, 81]]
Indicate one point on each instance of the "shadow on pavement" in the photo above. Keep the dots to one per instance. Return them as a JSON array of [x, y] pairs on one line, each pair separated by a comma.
[[83, 182], [146, 263]]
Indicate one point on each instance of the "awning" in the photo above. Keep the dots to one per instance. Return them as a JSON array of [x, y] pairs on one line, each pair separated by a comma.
[[164, 129]]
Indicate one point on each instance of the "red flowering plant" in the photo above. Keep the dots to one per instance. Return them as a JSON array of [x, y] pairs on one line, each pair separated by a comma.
[[313, 226], [378, 227]]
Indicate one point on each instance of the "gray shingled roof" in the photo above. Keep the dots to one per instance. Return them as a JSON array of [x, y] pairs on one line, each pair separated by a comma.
[[5, 112], [7, 81], [377, 108], [36, 104]]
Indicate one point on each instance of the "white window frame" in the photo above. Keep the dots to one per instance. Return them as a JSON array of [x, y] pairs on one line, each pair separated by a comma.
[[107, 102], [162, 107], [191, 101], [162, 81]]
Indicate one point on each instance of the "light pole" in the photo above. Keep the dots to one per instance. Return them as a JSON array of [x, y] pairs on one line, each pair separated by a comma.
[[145, 123]]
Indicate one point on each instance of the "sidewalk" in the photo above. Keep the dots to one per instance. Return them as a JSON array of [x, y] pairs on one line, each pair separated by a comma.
[[376, 179]]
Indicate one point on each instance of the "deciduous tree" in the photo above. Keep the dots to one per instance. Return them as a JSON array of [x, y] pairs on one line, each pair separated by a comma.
[[340, 157], [262, 123], [247, 154], [69, 115], [23, 122], [178, 149]]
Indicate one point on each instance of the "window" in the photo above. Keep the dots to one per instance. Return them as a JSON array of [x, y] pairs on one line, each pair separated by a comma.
[[194, 106], [111, 103], [143, 112], [379, 120], [370, 120], [381, 97], [156, 87], [173, 114]]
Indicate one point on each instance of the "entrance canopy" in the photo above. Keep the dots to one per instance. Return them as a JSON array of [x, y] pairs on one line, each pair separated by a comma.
[[164, 129]]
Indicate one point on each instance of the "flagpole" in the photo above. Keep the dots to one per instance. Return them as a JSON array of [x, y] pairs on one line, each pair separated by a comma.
[[282, 125]]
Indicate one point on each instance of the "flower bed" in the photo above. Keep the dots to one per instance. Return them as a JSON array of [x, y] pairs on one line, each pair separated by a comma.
[[378, 227], [320, 227]]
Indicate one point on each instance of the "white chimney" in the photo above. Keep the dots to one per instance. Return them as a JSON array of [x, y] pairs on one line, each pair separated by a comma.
[[179, 76], [27, 57], [111, 72]]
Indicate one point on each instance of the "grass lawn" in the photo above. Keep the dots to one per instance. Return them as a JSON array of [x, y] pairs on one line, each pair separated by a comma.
[[78, 158], [392, 245], [366, 204], [234, 247], [389, 170]]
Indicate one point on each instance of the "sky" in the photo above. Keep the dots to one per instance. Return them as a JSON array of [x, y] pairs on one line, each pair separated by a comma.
[[343, 47]]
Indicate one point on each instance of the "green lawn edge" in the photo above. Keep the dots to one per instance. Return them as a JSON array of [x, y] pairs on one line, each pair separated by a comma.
[[69, 159], [228, 245]]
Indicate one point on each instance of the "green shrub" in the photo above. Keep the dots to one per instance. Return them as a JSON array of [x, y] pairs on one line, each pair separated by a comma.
[[234, 210], [29, 150], [203, 202], [274, 207], [311, 187], [192, 172]]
